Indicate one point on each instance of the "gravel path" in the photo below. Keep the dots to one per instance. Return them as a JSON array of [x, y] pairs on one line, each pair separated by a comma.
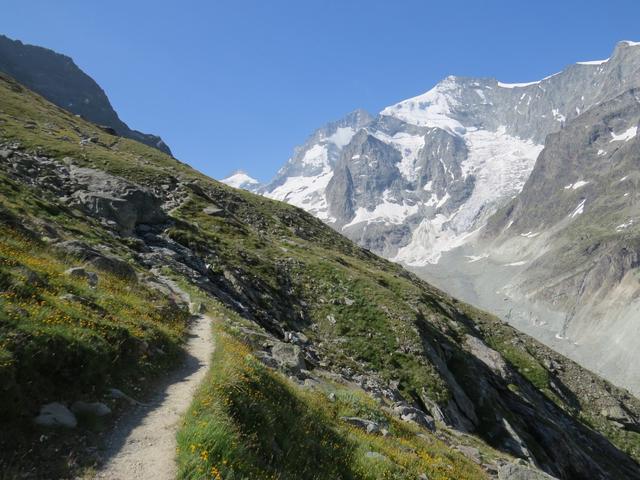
[[143, 444]]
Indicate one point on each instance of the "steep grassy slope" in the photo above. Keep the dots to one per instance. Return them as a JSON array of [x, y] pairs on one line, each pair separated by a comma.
[[326, 319]]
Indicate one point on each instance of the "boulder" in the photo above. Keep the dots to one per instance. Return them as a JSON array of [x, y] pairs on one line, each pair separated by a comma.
[[56, 415], [115, 199], [471, 453], [486, 355], [81, 272], [515, 471], [408, 413], [376, 456], [618, 415], [97, 259], [362, 423], [114, 265], [288, 356]]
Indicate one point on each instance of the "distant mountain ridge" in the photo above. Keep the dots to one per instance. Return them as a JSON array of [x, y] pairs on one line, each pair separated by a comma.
[[58, 79]]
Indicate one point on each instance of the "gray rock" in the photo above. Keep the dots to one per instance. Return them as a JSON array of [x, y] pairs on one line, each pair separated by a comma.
[[470, 452], [114, 265], [408, 413], [97, 409], [486, 355], [513, 471], [116, 199], [362, 423], [376, 456], [81, 272], [212, 210], [56, 415], [288, 356]]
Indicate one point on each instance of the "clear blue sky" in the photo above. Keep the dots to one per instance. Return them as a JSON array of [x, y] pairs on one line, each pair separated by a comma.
[[238, 83]]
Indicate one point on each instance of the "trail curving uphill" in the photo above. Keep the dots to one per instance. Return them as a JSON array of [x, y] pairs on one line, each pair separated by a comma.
[[143, 444]]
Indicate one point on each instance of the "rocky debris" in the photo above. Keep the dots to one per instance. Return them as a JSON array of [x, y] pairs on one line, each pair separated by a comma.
[[297, 338], [408, 413], [486, 355], [516, 471], [81, 272], [96, 409], [56, 415], [362, 423]]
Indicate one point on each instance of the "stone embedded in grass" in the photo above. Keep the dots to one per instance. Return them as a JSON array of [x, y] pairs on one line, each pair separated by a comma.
[[81, 272], [362, 423], [56, 415]]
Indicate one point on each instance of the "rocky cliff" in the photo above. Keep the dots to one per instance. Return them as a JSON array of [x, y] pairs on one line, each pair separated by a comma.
[[58, 79]]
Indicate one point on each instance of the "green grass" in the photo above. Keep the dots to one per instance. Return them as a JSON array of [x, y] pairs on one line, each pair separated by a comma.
[[250, 422], [53, 348]]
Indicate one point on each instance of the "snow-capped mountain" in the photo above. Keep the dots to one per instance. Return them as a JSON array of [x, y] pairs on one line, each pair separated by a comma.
[[240, 179], [418, 179]]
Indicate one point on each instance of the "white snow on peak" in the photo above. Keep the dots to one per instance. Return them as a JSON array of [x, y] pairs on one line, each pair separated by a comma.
[[594, 62], [516, 264], [517, 85], [624, 136], [316, 156], [624, 226], [239, 179], [342, 136], [577, 185], [431, 109], [476, 258], [501, 164], [579, 209], [307, 193], [630, 43], [387, 211], [408, 145]]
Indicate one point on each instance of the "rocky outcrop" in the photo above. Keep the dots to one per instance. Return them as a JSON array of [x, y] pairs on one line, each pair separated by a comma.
[[58, 79]]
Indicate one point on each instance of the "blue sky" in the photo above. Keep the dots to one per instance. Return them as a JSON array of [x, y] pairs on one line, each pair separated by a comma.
[[236, 84]]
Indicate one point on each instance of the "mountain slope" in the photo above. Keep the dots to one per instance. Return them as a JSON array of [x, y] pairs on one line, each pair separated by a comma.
[[570, 243], [456, 391], [57, 78]]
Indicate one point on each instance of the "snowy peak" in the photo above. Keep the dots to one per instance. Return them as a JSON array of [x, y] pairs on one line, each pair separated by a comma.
[[240, 179], [416, 180]]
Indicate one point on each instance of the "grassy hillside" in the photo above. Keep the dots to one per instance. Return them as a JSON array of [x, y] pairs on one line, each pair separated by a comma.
[[312, 327]]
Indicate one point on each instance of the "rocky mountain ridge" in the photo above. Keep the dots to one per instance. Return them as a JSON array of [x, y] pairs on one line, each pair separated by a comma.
[[57, 78], [417, 179]]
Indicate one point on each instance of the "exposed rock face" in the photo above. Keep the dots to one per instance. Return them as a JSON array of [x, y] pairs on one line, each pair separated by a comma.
[[115, 199], [58, 79]]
